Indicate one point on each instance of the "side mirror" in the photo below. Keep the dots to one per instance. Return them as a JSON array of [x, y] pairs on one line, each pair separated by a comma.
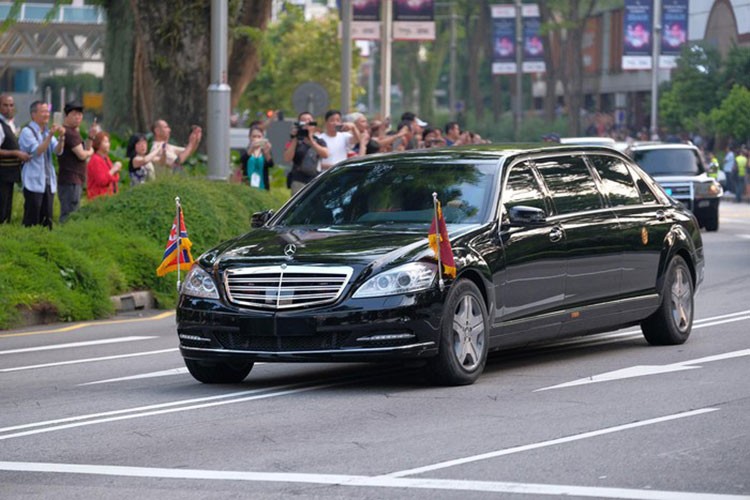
[[523, 215], [259, 219]]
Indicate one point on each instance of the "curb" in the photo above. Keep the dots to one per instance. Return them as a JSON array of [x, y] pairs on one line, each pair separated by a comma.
[[133, 301]]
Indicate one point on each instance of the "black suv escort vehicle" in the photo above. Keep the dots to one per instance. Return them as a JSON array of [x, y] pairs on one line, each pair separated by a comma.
[[549, 242], [681, 171]]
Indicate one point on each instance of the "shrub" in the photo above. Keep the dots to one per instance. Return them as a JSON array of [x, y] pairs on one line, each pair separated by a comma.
[[113, 245]]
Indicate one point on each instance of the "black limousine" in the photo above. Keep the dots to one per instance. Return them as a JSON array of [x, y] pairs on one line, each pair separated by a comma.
[[548, 242]]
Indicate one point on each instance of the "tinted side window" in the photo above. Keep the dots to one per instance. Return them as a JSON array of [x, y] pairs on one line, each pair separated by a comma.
[[570, 183], [646, 195], [617, 180], [522, 188]]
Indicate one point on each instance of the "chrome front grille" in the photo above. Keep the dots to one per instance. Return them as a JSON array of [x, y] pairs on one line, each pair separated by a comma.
[[285, 287], [679, 191]]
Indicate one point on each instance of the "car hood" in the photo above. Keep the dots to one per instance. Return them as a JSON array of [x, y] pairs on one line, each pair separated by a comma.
[[318, 245]]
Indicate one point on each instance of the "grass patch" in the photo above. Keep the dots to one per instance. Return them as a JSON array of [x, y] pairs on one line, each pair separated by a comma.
[[114, 245]]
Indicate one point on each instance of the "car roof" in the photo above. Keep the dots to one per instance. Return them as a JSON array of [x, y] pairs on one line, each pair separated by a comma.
[[487, 152], [593, 140], [661, 145]]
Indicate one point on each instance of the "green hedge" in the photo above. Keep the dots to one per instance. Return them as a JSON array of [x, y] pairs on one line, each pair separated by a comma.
[[114, 245]]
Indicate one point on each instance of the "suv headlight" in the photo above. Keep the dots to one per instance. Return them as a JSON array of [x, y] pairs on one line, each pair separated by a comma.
[[711, 189], [199, 283], [408, 278]]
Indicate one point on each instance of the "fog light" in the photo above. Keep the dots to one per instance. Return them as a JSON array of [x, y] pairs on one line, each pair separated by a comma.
[[193, 338]]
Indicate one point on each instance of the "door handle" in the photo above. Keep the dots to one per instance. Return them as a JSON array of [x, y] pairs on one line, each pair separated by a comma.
[[556, 234]]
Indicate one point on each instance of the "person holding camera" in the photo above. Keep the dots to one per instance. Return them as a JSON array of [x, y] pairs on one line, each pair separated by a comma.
[[340, 138], [304, 151], [173, 157], [256, 160]]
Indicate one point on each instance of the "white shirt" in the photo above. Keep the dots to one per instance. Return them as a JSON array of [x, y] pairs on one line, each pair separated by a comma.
[[10, 124], [338, 148]]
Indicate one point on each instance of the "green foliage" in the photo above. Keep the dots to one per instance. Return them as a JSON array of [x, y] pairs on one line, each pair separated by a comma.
[[295, 51], [732, 118], [114, 244], [692, 89]]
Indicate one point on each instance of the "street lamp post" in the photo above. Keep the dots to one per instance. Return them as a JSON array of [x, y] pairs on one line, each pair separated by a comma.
[[655, 51]]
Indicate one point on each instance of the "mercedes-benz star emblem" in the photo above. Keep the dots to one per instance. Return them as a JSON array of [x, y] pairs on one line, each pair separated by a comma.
[[290, 249]]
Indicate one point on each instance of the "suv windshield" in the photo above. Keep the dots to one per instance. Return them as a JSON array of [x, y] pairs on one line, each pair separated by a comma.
[[668, 161], [395, 193]]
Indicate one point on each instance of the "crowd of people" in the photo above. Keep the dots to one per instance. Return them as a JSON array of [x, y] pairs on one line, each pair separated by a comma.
[[26, 155], [26, 158]]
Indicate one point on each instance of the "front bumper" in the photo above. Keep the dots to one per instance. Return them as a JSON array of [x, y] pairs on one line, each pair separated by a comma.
[[395, 327]]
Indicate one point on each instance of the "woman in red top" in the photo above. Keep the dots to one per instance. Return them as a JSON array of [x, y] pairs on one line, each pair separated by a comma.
[[101, 176]]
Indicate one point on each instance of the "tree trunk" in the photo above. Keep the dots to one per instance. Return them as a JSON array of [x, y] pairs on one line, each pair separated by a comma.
[[477, 45], [244, 61], [158, 61], [550, 64]]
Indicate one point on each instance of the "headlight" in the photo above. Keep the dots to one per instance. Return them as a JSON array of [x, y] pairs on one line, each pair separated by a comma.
[[199, 283], [403, 279], [710, 189]]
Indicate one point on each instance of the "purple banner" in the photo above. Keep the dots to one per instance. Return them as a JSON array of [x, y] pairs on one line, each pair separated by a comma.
[[637, 26], [413, 10], [533, 48], [675, 26]]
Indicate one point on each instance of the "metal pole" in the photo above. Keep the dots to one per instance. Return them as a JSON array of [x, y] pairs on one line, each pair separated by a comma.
[[385, 58], [518, 115], [219, 94], [655, 51], [179, 241], [452, 81], [346, 55]]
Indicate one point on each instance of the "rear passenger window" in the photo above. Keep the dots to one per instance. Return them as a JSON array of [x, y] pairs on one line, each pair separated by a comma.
[[646, 195], [522, 188], [570, 184], [618, 183]]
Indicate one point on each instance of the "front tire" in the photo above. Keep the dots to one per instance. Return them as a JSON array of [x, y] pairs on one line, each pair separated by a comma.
[[672, 322], [462, 352], [218, 372]]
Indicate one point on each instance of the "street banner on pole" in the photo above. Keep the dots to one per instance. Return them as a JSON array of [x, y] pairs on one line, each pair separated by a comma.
[[503, 39], [365, 19], [674, 20], [413, 19], [637, 28], [533, 47]]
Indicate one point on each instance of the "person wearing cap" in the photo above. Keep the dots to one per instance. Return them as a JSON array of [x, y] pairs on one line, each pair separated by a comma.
[[417, 127], [72, 162]]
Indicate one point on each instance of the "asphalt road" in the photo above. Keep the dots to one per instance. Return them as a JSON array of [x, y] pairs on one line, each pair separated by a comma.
[[106, 410]]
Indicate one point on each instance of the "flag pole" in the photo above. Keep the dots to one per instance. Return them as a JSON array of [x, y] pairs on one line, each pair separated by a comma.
[[441, 283], [179, 241]]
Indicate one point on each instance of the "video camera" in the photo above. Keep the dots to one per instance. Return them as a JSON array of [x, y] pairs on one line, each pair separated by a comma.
[[302, 128]]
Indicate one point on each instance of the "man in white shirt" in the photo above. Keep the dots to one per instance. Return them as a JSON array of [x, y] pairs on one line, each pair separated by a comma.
[[173, 157], [339, 137], [11, 156]]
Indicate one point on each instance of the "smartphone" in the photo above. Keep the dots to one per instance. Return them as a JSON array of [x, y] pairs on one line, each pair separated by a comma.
[[57, 118], [339, 128]]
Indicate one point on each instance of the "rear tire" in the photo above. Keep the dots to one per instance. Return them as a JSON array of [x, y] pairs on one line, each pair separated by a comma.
[[672, 322], [464, 327], [218, 372]]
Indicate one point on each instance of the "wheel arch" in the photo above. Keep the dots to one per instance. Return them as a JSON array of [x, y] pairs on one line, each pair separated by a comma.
[[677, 242]]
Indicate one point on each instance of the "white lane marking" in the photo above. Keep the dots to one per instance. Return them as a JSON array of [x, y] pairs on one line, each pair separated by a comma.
[[544, 444], [147, 411], [76, 344], [642, 370], [744, 236], [364, 481], [162, 373], [89, 360]]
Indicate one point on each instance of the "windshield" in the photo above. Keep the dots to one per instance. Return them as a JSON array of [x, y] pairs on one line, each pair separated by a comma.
[[395, 192], [669, 162]]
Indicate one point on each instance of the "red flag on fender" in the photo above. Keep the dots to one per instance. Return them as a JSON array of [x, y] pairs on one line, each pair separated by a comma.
[[177, 253], [439, 242]]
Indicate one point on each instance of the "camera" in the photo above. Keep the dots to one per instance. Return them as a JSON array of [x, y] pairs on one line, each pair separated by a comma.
[[302, 128]]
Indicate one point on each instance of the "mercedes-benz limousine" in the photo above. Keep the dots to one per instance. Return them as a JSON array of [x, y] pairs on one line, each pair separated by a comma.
[[545, 243]]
